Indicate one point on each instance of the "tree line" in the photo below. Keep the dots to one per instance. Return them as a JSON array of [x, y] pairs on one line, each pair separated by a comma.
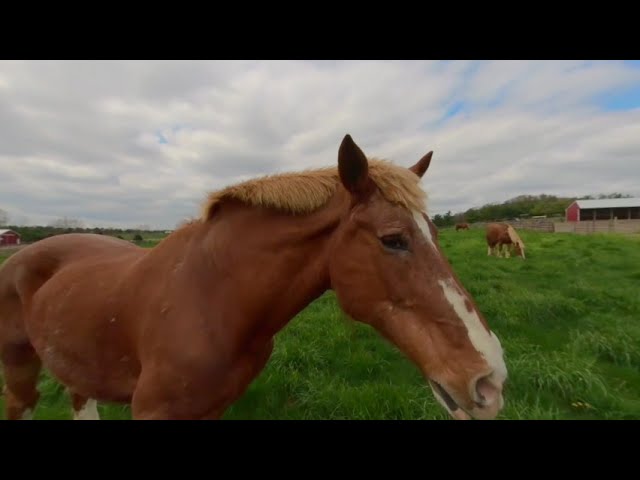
[[522, 206]]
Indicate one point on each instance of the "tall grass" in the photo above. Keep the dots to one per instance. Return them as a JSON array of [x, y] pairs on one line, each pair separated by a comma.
[[568, 317]]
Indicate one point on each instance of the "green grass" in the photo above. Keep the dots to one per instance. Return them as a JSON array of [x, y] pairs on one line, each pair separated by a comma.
[[568, 317]]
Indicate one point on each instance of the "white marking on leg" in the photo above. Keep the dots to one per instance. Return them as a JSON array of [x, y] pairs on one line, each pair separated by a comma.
[[488, 251], [89, 411], [486, 343], [27, 414]]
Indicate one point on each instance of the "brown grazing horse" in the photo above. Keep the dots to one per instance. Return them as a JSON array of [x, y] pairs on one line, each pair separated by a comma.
[[462, 226], [503, 237], [179, 331]]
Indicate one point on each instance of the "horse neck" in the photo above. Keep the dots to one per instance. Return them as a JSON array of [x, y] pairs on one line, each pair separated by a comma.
[[262, 267]]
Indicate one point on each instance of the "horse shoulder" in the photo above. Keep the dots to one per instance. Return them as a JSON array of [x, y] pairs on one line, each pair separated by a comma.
[[195, 365]]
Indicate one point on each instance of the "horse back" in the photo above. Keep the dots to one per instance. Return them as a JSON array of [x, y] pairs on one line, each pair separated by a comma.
[[63, 295], [26, 270], [497, 233]]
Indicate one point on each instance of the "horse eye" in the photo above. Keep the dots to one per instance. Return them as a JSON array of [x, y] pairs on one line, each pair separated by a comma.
[[394, 242]]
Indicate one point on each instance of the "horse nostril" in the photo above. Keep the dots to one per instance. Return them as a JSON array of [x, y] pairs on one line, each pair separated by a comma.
[[486, 391]]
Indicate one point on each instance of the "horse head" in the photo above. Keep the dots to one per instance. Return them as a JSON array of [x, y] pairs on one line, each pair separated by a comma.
[[388, 271]]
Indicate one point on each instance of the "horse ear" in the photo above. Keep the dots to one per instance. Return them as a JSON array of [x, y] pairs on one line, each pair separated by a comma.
[[423, 164], [352, 166]]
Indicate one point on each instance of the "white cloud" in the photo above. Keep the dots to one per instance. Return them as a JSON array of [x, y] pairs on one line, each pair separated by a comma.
[[142, 142]]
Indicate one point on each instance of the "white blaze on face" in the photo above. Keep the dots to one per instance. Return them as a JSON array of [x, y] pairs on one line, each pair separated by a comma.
[[424, 227], [487, 344], [89, 411]]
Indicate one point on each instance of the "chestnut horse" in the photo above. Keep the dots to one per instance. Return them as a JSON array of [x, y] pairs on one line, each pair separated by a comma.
[[462, 226], [179, 331], [503, 237]]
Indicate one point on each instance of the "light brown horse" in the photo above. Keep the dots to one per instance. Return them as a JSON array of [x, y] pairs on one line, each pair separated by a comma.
[[502, 237], [462, 226], [180, 330]]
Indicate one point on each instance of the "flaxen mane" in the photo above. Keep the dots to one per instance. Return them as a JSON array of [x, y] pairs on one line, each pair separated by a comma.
[[306, 191], [515, 238]]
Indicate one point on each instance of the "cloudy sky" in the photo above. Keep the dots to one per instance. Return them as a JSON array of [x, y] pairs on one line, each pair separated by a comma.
[[141, 142]]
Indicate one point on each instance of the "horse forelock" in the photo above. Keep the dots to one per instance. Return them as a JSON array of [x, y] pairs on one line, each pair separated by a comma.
[[306, 191]]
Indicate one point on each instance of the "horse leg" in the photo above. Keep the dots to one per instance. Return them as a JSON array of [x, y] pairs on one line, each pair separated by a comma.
[[84, 408], [21, 367]]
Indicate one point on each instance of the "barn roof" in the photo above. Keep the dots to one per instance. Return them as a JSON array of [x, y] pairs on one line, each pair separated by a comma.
[[4, 230], [610, 203]]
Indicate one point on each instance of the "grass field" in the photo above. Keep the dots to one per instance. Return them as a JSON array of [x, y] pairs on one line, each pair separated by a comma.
[[568, 317]]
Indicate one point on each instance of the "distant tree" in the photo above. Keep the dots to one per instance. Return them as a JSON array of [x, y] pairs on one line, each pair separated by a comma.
[[438, 220], [445, 220], [448, 219], [613, 195], [138, 238], [516, 207], [602, 196]]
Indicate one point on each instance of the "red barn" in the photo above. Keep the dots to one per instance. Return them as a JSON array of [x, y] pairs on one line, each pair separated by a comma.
[[9, 237], [605, 209]]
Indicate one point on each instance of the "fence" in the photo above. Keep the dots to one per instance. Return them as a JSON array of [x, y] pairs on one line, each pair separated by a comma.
[[535, 224], [584, 227], [598, 226]]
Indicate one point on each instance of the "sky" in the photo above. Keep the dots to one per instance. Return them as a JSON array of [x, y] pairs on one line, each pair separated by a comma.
[[130, 143]]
